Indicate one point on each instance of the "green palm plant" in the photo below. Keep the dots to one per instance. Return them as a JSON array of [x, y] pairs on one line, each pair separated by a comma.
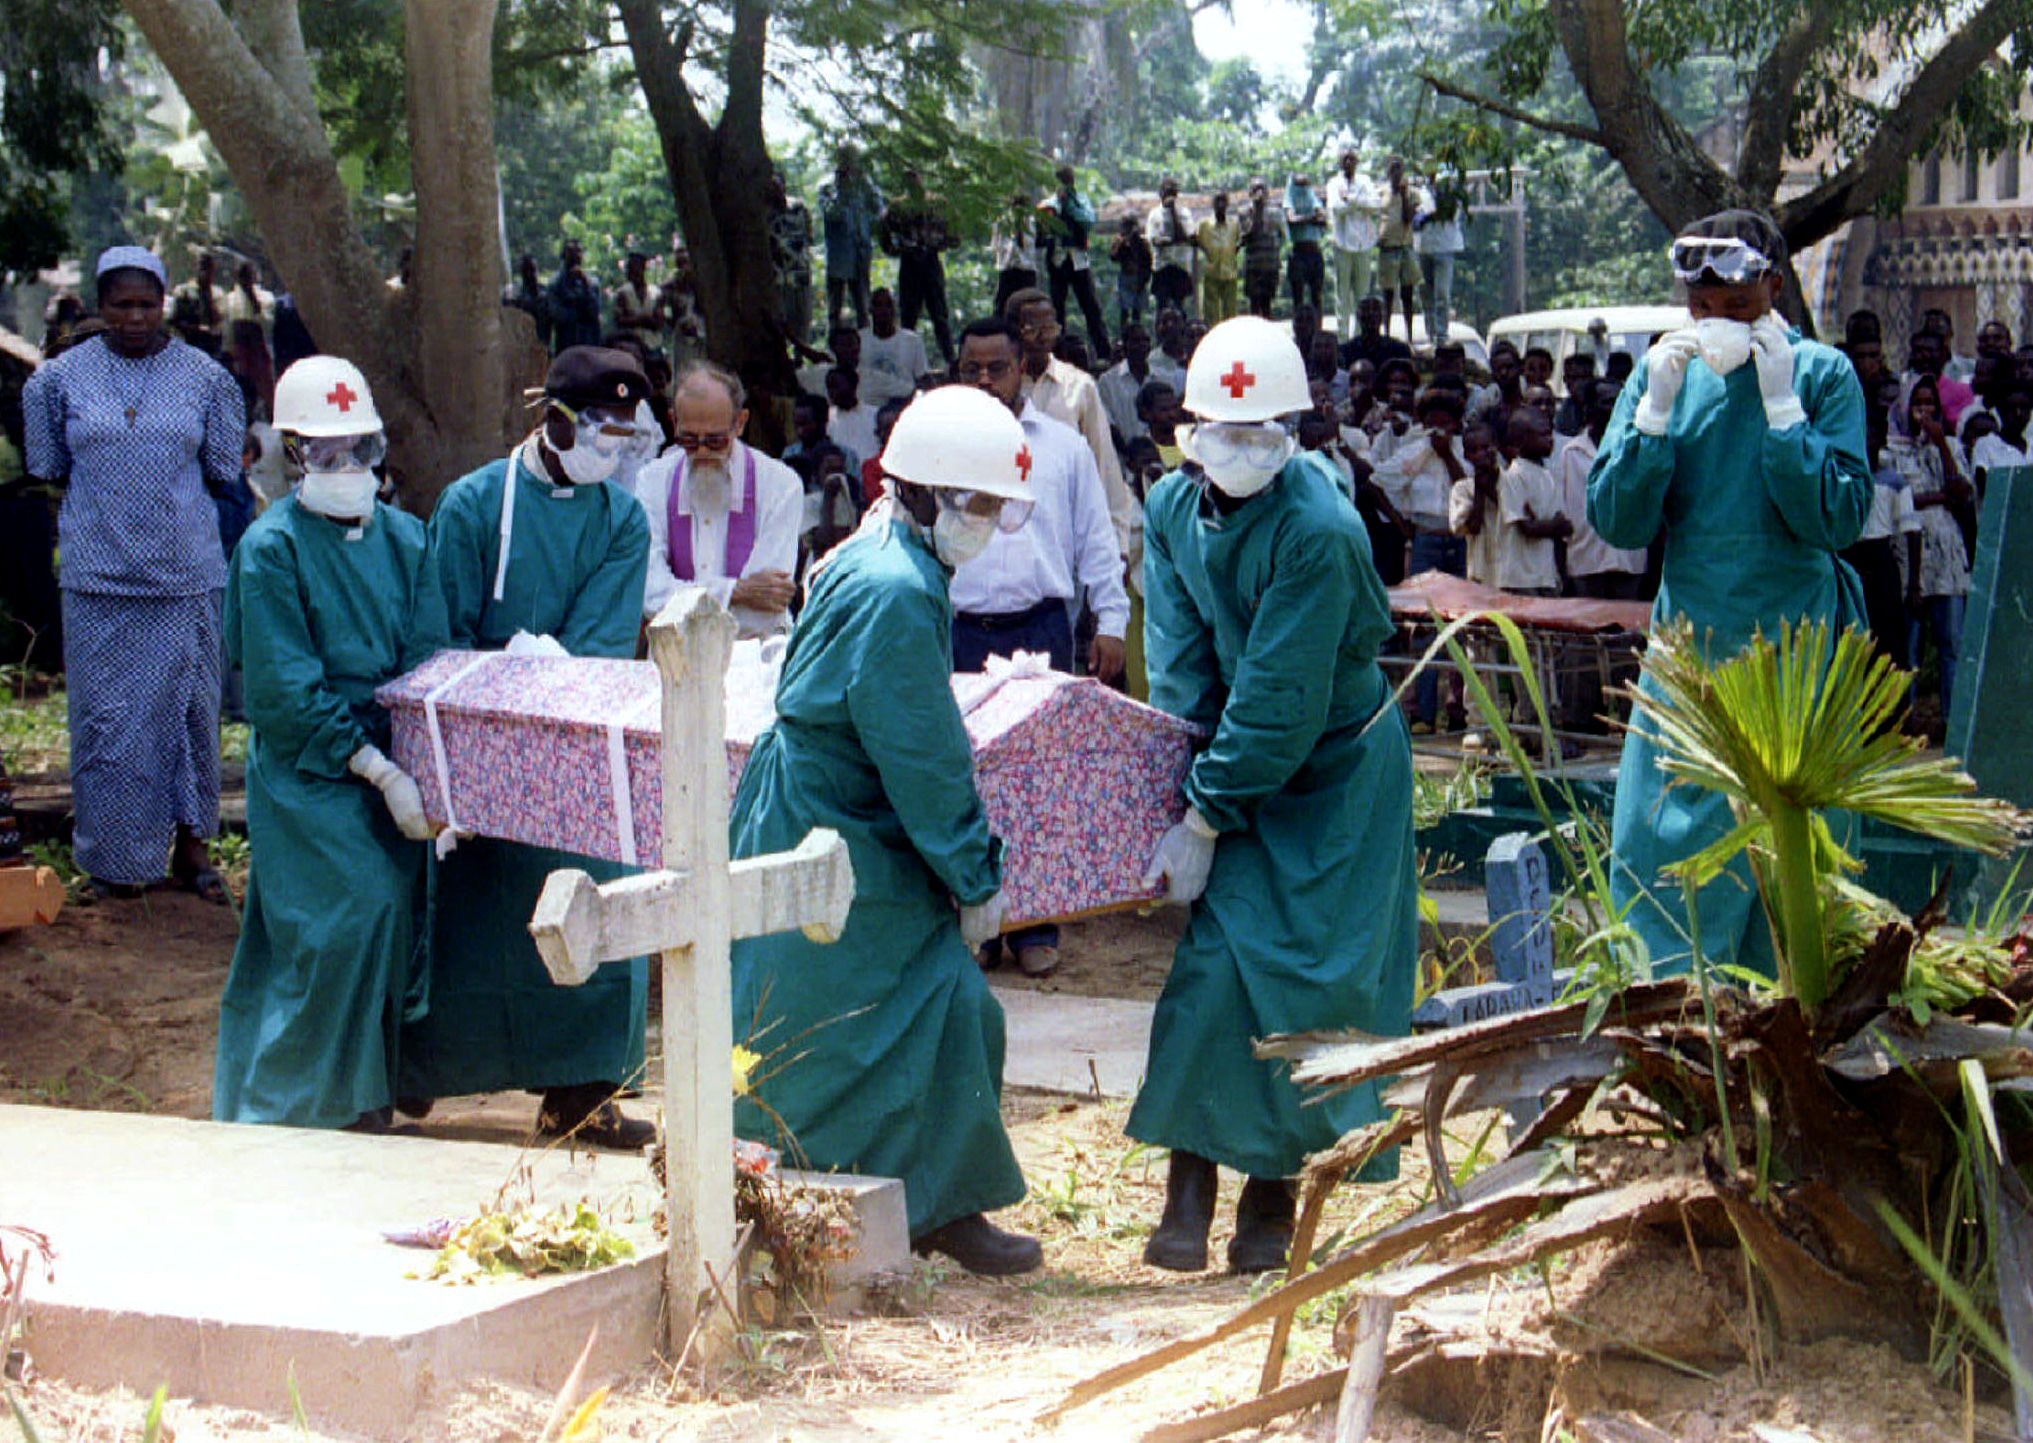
[[1789, 731]]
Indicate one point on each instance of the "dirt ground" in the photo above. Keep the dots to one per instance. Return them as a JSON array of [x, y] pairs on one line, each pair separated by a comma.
[[115, 1007]]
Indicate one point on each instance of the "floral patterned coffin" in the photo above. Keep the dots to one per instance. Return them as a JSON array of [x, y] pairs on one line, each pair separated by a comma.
[[1080, 780]]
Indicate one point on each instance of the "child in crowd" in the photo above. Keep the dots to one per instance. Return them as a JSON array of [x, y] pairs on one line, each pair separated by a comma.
[[1533, 517], [1474, 508], [1891, 535], [1158, 408], [851, 421], [871, 466], [1321, 435], [811, 426]]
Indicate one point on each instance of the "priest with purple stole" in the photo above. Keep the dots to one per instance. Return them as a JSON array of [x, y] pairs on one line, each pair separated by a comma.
[[721, 515]]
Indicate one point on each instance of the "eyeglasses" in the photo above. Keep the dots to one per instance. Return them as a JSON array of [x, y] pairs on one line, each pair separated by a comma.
[[1728, 260], [361, 452], [704, 440], [970, 371], [1010, 514], [1254, 443]]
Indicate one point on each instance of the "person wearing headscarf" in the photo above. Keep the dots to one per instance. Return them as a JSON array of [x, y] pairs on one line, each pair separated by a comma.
[[139, 430]]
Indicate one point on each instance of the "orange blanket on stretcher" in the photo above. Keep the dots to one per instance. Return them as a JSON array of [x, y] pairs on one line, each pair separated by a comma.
[[1453, 598]]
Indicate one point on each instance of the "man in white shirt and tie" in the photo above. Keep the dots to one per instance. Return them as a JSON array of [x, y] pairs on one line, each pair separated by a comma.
[[721, 514], [1021, 592]]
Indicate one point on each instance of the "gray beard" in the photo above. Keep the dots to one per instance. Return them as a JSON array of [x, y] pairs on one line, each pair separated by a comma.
[[709, 485]]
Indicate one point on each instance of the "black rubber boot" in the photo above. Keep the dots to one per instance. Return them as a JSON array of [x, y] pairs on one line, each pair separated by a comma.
[[1180, 1243], [979, 1246], [1263, 1225], [586, 1111]]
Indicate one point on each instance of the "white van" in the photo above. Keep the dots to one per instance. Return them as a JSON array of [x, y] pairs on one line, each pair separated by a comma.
[[1461, 333], [1564, 332]]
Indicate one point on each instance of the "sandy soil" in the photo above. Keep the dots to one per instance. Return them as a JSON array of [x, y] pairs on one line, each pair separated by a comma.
[[115, 1007]]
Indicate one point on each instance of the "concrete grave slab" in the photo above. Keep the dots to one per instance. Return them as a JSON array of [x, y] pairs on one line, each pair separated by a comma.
[[1059, 1042], [223, 1260]]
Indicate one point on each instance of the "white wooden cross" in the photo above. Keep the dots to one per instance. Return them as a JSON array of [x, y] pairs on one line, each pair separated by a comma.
[[690, 912]]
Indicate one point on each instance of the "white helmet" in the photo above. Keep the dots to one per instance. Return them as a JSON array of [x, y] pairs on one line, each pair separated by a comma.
[[961, 438], [1246, 369], [324, 396]]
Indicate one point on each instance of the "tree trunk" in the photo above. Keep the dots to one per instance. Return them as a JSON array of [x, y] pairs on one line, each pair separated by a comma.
[[250, 90], [717, 176], [455, 304]]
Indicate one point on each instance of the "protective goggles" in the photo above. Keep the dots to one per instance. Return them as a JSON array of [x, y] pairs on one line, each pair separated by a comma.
[[603, 419], [1725, 260], [1226, 443], [361, 452], [1010, 514]]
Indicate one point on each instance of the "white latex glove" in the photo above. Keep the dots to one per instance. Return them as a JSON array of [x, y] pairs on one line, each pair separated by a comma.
[[524, 644], [1665, 369], [1772, 352], [398, 789], [982, 922], [1184, 857]]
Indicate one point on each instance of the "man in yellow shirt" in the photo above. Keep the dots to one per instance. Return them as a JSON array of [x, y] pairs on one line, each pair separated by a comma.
[[1219, 239]]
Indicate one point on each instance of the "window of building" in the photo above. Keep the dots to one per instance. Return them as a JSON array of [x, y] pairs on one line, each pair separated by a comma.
[[1972, 167], [2008, 175], [1930, 181]]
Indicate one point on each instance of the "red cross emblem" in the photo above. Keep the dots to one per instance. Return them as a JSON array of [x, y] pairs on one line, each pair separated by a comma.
[[1237, 380], [342, 396], [1023, 461]]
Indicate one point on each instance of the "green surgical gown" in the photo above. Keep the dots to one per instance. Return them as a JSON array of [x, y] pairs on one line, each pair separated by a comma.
[[1752, 520], [884, 1050], [578, 557], [1263, 625], [317, 616]]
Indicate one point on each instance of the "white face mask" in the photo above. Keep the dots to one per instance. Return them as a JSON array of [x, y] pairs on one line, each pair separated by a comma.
[[1238, 470], [958, 538], [341, 495], [592, 459], [1725, 344]]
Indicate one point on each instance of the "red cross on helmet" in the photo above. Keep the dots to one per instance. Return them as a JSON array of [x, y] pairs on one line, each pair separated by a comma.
[[1246, 369], [963, 439], [325, 396]]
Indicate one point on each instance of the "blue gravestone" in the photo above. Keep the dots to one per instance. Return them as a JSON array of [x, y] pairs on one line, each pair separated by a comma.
[[1519, 888], [1990, 727]]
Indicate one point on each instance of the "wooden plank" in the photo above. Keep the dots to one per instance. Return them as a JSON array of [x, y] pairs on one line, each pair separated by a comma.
[[29, 896], [1357, 1413]]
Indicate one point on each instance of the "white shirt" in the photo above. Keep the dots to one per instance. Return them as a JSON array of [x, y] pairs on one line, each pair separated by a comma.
[[1014, 244], [1414, 478], [1482, 545], [1527, 563], [1167, 247], [1067, 544], [780, 510], [1119, 397], [1067, 393], [1353, 204], [890, 368], [854, 429], [1587, 553], [1995, 453], [1892, 512]]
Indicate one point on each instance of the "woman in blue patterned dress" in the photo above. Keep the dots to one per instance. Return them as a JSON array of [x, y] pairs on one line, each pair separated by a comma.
[[137, 427]]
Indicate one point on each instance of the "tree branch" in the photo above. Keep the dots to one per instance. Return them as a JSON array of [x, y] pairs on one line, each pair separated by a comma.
[[1496, 106], [660, 65], [1858, 185], [1669, 171], [1769, 113], [276, 36]]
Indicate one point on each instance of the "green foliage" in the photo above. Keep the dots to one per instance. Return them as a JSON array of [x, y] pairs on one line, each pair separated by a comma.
[[53, 119], [626, 204], [1788, 731]]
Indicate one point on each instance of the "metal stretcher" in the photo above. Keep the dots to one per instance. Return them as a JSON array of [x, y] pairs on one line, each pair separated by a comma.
[[1579, 649]]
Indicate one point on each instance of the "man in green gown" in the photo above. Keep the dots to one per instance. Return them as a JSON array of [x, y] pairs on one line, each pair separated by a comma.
[[1743, 445], [329, 597], [537, 543], [882, 1053], [1263, 615]]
